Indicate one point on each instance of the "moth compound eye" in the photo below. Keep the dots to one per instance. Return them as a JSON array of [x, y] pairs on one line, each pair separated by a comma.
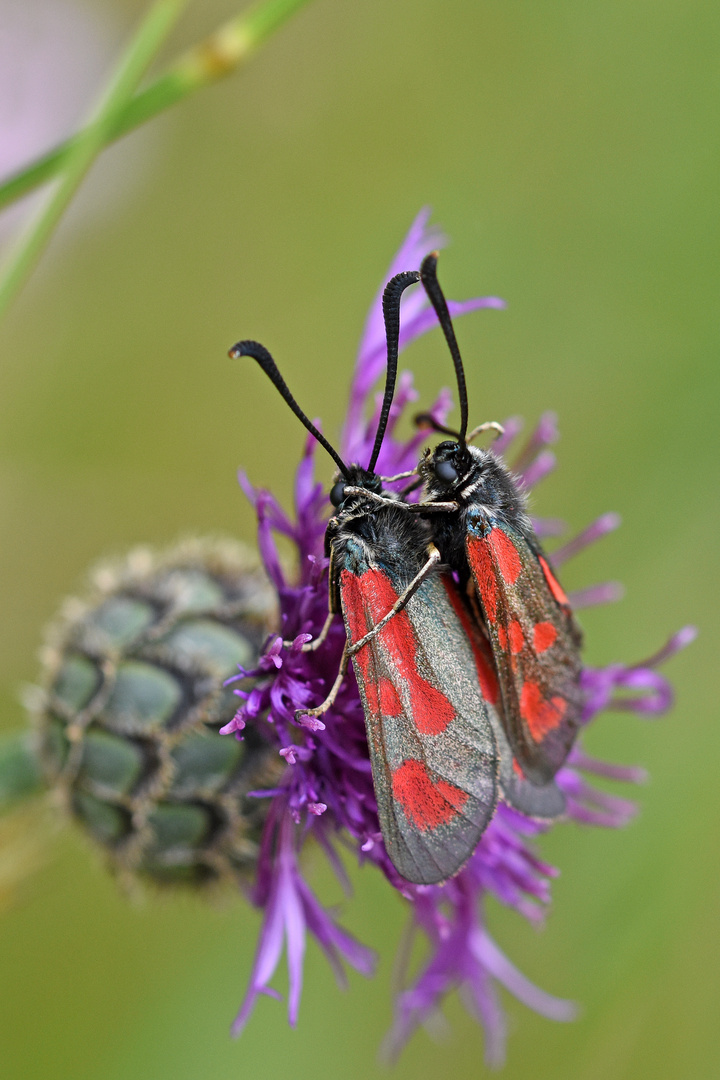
[[446, 471], [337, 494]]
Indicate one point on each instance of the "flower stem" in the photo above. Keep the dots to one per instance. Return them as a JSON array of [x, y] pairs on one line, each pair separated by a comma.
[[211, 59], [133, 64]]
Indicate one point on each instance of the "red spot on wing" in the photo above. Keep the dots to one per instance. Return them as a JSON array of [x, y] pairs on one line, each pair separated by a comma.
[[429, 708], [515, 634], [540, 714], [427, 803], [481, 651], [483, 570], [553, 583], [371, 689], [367, 599], [517, 769], [358, 626], [354, 607], [390, 703], [502, 638], [544, 634], [506, 555]]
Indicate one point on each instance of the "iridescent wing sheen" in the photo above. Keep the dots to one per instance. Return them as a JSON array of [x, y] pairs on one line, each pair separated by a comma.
[[432, 744], [535, 643]]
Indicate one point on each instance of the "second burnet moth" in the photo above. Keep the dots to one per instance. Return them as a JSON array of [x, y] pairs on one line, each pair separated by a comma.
[[427, 683], [482, 530]]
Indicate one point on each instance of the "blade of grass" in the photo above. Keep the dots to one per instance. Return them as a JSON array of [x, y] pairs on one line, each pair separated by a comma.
[[211, 59], [133, 64]]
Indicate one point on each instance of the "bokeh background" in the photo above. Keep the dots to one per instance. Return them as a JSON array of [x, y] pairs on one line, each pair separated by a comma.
[[570, 151]]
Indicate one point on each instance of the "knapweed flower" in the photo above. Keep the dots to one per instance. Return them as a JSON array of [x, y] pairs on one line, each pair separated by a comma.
[[326, 791]]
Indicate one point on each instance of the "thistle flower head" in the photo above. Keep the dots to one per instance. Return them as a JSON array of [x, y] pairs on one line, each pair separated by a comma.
[[326, 791]]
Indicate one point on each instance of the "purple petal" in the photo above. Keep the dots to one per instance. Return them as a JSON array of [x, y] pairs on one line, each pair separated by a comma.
[[549, 526], [236, 724], [481, 1001], [586, 816], [513, 426], [538, 469], [247, 488], [305, 487], [591, 806], [603, 525], [545, 434], [633, 774], [419, 241], [426, 319], [487, 952], [267, 548], [266, 960], [415, 319], [678, 641], [607, 593], [658, 696], [295, 932], [333, 939]]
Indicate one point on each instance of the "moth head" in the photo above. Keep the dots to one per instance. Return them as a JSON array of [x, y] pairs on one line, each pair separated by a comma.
[[448, 465], [356, 477]]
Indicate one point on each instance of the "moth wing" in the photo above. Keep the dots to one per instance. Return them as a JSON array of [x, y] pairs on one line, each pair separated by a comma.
[[432, 745], [535, 643], [545, 802]]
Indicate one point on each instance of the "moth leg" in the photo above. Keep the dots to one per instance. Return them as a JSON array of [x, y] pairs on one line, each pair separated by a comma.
[[430, 507], [335, 689], [489, 425], [433, 559], [416, 508], [411, 487], [372, 495], [311, 646], [400, 476]]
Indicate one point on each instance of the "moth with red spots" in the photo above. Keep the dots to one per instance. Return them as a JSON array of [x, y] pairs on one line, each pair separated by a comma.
[[482, 530], [427, 684]]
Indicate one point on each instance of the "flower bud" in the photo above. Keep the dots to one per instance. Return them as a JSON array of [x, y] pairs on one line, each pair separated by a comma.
[[130, 703]]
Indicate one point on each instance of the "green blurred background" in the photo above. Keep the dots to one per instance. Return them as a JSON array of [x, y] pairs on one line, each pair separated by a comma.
[[570, 151]]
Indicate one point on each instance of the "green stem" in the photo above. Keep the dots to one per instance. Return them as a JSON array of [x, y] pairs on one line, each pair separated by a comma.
[[153, 31], [218, 55], [20, 773]]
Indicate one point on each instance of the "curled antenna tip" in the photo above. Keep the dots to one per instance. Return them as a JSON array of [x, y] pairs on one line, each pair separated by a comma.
[[428, 276], [239, 349], [429, 263], [400, 282], [267, 364]]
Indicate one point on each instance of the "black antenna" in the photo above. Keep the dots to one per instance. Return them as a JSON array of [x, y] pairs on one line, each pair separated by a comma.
[[428, 276], [391, 313], [266, 362], [427, 420]]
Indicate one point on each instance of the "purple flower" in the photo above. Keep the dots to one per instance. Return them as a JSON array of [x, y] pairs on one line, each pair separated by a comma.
[[326, 792]]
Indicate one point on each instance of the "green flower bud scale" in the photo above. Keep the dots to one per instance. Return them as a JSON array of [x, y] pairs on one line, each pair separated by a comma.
[[130, 703]]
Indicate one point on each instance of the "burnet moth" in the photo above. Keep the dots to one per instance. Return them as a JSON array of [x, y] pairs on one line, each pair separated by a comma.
[[426, 679], [482, 530]]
